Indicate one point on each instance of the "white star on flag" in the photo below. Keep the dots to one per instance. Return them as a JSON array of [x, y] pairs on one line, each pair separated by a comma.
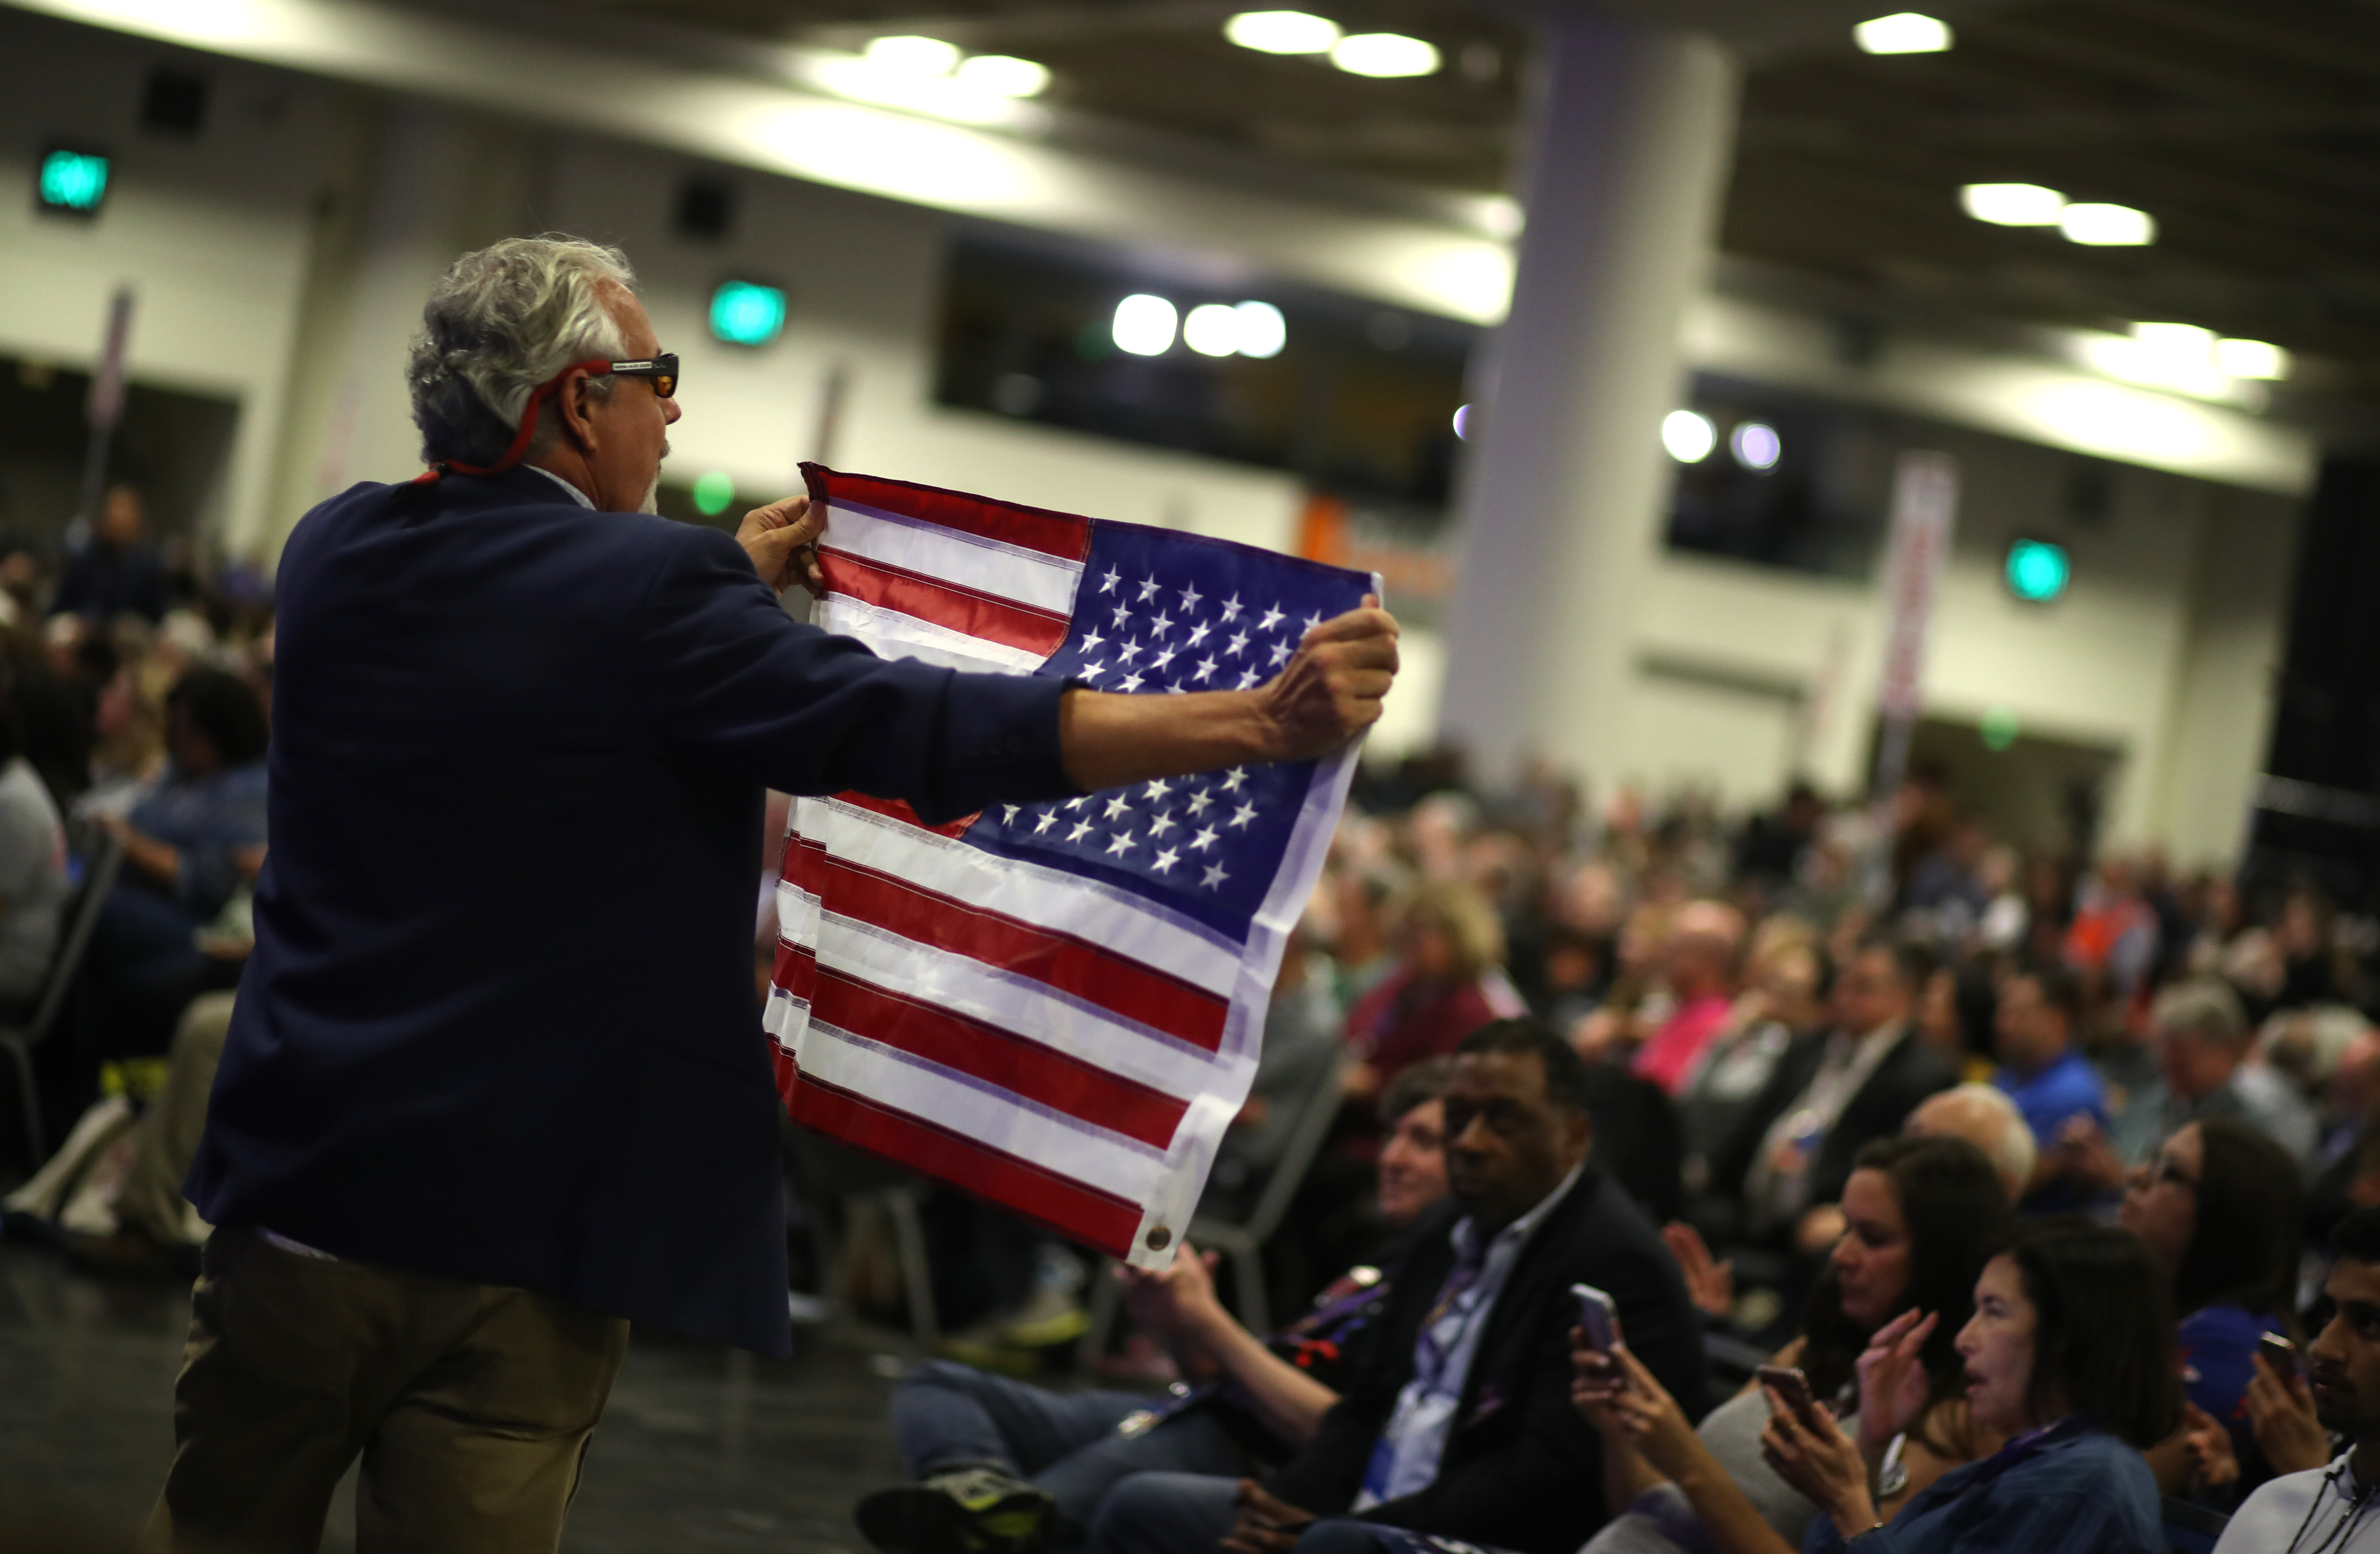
[[1198, 631], [1160, 625], [1248, 678], [1157, 789], [1121, 615], [1234, 778], [1092, 670], [1124, 653], [1048, 818], [1280, 652], [1162, 823], [1232, 608], [1243, 815], [1271, 619], [1107, 584], [1082, 829], [1122, 844], [1118, 805], [1214, 877], [1206, 667], [1011, 810], [1148, 590], [1238, 645], [1198, 802], [1163, 863], [1091, 643], [1205, 839], [1129, 683]]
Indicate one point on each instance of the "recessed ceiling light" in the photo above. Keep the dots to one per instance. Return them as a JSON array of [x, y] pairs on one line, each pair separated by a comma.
[[1756, 445], [1688, 436], [1263, 331], [2012, 205], [2107, 226], [1212, 329], [1283, 31], [1902, 32], [909, 55], [1144, 324], [1384, 54], [2252, 359], [1004, 74]]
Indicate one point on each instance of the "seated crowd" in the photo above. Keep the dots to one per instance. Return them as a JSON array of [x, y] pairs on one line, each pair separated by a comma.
[[1827, 1184]]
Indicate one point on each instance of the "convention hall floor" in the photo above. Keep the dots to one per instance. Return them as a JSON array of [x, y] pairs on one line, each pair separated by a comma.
[[703, 1450]]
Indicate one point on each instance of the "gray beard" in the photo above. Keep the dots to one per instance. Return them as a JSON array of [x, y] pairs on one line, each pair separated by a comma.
[[653, 501]]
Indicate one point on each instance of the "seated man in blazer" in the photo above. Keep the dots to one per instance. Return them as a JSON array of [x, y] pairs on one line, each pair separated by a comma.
[[1459, 1420], [1830, 1097]]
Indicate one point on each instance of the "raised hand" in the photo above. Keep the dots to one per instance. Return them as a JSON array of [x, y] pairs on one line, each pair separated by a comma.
[[1709, 1284], [2281, 1415], [781, 540], [1892, 1380], [1330, 689], [2210, 1447]]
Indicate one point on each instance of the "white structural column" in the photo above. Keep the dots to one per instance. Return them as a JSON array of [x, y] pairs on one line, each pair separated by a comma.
[[1566, 481]]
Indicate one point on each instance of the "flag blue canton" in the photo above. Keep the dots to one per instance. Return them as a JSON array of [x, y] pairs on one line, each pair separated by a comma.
[[1158, 612]]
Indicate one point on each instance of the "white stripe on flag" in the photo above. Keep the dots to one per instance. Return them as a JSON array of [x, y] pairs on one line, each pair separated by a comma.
[[1030, 1009], [890, 634], [966, 560], [981, 1113], [1114, 919]]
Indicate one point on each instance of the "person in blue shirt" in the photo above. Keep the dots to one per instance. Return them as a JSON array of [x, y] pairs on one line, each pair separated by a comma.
[[2052, 1084], [2070, 1354]]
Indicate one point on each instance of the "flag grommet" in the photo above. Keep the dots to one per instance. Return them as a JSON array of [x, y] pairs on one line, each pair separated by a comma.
[[1159, 1239]]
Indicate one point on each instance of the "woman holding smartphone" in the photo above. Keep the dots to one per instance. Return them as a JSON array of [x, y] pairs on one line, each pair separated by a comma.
[[1924, 1215], [2069, 1355]]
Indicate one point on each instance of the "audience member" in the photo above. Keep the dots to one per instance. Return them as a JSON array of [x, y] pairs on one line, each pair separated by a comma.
[[2202, 1044], [1828, 1099], [1458, 1421], [2044, 1071], [1986, 1118], [2331, 1510], [1447, 983], [1003, 1465], [2068, 1358], [1924, 1215], [1782, 1006], [116, 572], [2220, 1206], [33, 883], [1699, 969]]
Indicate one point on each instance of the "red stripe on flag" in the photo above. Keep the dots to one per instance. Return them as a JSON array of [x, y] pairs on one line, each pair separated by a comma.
[[961, 609], [898, 809], [1101, 1221], [1063, 535], [981, 1051], [1097, 976]]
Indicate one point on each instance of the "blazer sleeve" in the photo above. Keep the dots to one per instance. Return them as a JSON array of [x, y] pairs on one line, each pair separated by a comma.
[[1325, 1475], [730, 680]]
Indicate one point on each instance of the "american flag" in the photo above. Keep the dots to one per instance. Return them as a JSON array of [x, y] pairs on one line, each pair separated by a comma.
[[1056, 1006]]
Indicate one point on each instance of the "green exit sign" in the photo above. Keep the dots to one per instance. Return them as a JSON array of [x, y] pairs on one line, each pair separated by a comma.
[[71, 181], [2038, 570], [746, 312]]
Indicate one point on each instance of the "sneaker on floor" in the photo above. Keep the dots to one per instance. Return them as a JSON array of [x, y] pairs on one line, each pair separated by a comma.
[[967, 1511]]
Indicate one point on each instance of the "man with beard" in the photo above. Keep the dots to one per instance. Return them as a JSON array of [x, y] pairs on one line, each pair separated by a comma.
[[2332, 1510]]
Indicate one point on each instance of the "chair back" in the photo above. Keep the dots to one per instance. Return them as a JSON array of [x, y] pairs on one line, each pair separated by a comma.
[[2191, 1529], [82, 922], [1317, 1109]]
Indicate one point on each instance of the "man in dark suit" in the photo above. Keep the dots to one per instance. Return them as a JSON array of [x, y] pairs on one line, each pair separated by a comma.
[[496, 1083], [1828, 1099], [1458, 1420]]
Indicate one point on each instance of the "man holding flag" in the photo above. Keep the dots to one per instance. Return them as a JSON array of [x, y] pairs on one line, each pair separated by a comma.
[[494, 1088]]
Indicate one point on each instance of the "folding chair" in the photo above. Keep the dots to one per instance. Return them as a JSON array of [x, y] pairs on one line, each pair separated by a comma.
[[18, 1041]]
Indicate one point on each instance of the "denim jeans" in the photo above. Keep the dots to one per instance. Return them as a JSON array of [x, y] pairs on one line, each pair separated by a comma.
[[1166, 1513], [949, 1415]]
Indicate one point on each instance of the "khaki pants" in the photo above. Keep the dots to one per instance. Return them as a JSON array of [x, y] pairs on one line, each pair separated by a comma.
[[472, 1406]]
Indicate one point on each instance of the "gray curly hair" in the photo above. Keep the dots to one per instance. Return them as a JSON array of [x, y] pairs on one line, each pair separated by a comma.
[[499, 323]]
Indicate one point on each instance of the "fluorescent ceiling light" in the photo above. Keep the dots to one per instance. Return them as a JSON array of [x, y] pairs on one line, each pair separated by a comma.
[[2012, 205], [1281, 31], [944, 97], [2252, 359], [1262, 331], [1902, 32], [907, 55], [1384, 54], [1688, 436], [1212, 329], [1004, 74], [1144, 324], [2107, 226]]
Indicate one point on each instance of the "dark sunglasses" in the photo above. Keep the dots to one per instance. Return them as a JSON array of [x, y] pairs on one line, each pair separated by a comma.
[[661, 369]]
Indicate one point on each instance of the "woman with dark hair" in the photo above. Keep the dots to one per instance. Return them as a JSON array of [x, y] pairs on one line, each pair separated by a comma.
[[190, 843], [2220, 1207], [2069, 1355], [1924, 1215]]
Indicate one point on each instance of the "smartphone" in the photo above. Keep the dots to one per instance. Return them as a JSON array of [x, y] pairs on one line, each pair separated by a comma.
[[1793, 1387], [1598, 1315], [2280, 1352]]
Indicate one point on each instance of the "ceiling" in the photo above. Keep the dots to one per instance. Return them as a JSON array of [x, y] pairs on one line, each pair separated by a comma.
[[2249, 131]]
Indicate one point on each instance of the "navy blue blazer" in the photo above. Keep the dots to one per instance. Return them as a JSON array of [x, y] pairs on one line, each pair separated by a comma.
[[499, 1022]]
